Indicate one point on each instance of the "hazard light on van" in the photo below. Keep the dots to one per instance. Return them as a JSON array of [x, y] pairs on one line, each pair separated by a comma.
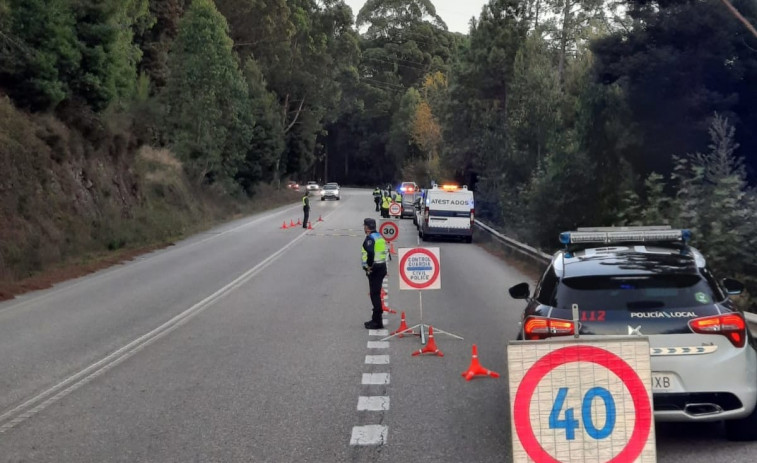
[[450, 187]]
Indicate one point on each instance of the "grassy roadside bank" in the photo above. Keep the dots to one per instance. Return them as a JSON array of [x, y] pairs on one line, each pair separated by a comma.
[[216, 213]]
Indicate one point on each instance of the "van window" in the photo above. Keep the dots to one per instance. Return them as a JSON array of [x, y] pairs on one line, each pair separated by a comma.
[[440, 213]]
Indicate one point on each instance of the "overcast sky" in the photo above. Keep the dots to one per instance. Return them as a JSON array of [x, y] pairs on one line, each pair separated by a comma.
[[456, 13]]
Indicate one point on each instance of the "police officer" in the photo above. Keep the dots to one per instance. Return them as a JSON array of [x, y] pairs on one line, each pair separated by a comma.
[[386, 201], [377, 197], [305, 208], [374, 264]]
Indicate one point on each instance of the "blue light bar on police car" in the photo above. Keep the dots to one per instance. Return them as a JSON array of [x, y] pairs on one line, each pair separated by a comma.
[[625, 235]]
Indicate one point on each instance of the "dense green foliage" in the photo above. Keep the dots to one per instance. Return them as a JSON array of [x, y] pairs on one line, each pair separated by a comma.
[[558, 113]]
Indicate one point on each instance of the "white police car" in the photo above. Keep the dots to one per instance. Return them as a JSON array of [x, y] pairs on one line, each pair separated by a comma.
[[648, 281]]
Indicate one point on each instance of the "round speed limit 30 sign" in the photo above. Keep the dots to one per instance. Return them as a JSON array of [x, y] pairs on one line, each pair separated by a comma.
[[389, 230], [581, 401]]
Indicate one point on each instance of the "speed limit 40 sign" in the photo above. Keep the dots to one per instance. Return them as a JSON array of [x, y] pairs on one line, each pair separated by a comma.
[[578, 401]]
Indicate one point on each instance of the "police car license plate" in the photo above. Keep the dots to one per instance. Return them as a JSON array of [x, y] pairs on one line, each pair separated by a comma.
[[664, 382]]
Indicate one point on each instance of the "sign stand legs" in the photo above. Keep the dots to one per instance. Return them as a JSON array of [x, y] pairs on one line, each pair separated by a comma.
[[422, 326]]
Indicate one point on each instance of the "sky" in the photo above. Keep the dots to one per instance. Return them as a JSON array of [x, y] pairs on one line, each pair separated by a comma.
[[456, 13]]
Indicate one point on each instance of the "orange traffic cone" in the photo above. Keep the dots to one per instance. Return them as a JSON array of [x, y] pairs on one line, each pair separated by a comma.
[[391, 249], [403, 329], [319, 218], [284, 225], [291, 223], [310, 225], [430, 345], [299, 222], [475, 368], [385, 307]]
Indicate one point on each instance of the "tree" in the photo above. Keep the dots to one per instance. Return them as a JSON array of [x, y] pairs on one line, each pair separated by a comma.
[[677, 63], [39, 52], [208, 114]]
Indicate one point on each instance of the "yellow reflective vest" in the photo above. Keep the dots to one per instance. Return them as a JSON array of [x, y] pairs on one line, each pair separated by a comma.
[[379, 250]]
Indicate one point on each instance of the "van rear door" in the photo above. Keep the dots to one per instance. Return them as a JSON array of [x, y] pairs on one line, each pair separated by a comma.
[[450, 213]]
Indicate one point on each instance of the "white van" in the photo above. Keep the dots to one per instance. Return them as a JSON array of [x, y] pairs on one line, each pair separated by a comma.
[[446, 210]]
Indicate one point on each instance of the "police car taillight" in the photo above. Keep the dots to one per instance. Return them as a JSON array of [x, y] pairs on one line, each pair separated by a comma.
[[732, 326], [535, 328], [472, 216]]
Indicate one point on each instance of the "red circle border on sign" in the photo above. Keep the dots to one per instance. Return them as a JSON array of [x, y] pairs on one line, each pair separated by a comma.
[[433, 259], [396, 231], [522, 407], [398, 209]]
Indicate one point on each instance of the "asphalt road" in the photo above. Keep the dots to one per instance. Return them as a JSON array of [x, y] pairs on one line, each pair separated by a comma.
[[246, 344]]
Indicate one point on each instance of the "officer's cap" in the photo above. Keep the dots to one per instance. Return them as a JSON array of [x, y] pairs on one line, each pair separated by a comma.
[[370, 223]]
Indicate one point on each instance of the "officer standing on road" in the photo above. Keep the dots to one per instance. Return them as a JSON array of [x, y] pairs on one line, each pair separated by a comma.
[[386, 201], [377, 197], [305, 208], [374, 265]]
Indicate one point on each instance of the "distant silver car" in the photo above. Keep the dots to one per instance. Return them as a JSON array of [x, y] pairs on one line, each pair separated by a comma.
[[312, 186], [330, 191], [408, 205]]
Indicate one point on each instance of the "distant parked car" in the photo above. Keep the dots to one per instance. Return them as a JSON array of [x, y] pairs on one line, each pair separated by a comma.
[[408, 205]]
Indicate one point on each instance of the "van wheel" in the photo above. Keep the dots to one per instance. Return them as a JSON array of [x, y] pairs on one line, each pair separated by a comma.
[[468, 239], [744, 429]]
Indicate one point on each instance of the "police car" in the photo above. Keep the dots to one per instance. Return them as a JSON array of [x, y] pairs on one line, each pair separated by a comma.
[[648, 281]]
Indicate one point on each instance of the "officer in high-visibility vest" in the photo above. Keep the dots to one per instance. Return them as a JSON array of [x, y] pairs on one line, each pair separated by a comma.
[[386, 201], [374, 252], [305, 208], [377, 197]]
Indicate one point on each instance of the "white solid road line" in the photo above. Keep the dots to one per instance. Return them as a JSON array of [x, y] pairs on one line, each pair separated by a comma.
[[378, 332], [25, 300], [31, 407]]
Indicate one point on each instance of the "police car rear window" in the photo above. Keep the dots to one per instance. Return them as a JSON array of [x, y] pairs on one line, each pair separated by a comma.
[[648, 292], [439, 213]]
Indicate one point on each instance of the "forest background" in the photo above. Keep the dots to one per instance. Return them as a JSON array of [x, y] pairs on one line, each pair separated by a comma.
[[127, 123]]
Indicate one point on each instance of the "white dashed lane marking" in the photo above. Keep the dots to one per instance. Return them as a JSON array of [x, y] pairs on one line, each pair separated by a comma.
[[372, 434], [377, 359], [373, 403], [375, 378], [378, 344]]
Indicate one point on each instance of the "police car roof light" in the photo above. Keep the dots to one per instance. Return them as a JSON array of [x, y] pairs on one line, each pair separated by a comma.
[[625, 235]]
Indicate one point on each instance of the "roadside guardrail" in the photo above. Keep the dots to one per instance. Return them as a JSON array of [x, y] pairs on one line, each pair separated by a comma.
[[542, 259]]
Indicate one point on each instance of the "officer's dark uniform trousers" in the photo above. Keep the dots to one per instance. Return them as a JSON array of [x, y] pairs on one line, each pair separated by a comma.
[[375, 282]]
